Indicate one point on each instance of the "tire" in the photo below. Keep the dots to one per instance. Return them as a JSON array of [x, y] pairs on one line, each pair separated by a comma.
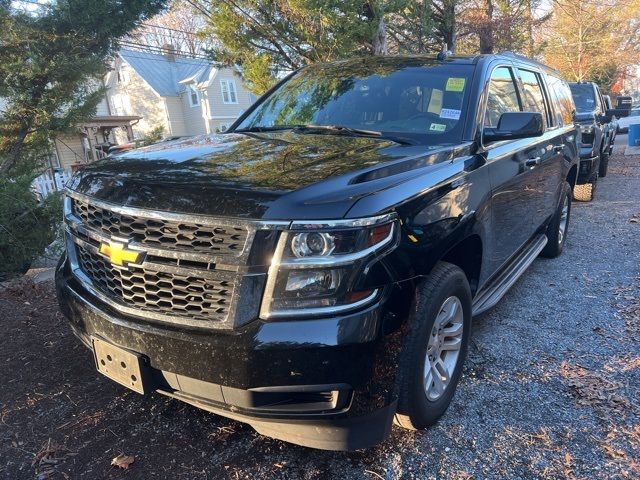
[[446, 289], [604, 165], [558, 228], [584, 192]]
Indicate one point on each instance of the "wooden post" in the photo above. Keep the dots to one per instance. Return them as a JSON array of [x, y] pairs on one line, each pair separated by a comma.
[[92, 146]]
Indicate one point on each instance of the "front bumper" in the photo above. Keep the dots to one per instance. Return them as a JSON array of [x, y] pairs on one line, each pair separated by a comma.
[[588, 166], [323, 383]]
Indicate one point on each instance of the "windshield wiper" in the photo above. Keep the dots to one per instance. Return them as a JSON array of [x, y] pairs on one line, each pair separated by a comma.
[[342, 130], [331, 129], [273, 128]]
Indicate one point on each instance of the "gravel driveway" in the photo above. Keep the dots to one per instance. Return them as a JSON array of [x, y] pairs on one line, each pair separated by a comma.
[[551, 388]]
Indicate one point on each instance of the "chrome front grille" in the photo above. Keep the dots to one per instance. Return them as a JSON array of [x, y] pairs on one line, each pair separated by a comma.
[[193, 270], [161, 233], [150, 290]]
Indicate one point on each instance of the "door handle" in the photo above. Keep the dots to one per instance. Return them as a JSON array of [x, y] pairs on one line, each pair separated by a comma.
[[559, 148], [532, 162]]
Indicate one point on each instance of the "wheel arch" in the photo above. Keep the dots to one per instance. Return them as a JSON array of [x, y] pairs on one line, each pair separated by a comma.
[[572, 176], [467, 255]]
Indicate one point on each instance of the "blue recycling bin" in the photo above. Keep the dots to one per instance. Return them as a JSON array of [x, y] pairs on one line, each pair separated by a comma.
[[634, 135]]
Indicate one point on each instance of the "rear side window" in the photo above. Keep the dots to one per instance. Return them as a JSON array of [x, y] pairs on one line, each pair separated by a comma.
[[502, 98], [532, 92], [564, 100]]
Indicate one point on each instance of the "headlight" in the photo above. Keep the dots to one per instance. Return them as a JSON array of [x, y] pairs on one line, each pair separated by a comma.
[[312, 243], [586, 128], [335, 243], [316, 265], [312, 283]]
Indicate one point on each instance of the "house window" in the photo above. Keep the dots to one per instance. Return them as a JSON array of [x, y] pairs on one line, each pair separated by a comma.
[[194, 97], [228, 91]]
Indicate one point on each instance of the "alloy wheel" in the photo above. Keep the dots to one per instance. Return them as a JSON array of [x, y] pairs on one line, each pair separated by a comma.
[[564, 219], [443, 349]]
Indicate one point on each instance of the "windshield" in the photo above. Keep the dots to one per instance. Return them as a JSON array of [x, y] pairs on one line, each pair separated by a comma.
[[583, 96], [417, 100]]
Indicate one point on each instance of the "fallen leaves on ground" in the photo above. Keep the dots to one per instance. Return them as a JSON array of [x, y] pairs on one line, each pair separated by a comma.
[[623, 364], [48, 458], [544, 450], [601, 389], [593, 389], [631, 316], [628, 306], [123, 461], [622, 448]]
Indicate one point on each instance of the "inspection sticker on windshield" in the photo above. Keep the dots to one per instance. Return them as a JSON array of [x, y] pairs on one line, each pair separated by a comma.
[[455, 84], [450, 114], [437, 127]]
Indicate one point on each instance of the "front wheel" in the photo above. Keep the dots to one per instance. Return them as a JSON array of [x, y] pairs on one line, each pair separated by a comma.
[[559, 226], [435, 348]]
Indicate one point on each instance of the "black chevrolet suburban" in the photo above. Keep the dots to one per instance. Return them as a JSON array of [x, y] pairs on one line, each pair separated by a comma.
[[314, 271], [597, 140]]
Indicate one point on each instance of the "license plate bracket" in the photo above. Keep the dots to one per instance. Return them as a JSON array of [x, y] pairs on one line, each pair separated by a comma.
[[119, 365]]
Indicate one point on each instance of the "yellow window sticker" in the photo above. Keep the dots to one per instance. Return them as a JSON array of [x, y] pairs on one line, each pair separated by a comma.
[[435, 102], [437, 127], [455, 84]]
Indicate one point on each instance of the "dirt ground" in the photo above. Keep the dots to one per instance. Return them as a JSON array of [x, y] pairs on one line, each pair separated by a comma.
[[551, 388]]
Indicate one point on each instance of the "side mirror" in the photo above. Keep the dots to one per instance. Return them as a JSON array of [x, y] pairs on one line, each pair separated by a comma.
[[606, 117], [618, 112], [513, 125]]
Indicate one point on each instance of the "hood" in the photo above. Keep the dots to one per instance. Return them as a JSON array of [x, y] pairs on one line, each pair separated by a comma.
[[276, 176]]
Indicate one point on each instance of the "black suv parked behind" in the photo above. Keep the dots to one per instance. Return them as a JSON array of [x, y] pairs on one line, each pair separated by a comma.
[[596, 145], [314, 271]]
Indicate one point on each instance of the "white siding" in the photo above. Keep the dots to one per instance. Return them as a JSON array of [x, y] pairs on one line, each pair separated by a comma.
[[175, 116], [129, 94], [193, 121], [103, 108], [221, 112], [70, 150]]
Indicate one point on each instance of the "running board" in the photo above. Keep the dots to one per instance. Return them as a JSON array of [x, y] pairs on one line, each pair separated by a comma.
[[492, 295]]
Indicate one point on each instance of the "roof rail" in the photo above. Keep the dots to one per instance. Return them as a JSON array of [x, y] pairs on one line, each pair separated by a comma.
[[509, 53]]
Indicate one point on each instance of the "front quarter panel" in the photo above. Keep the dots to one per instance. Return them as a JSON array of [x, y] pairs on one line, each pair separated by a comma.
[[435, 213]]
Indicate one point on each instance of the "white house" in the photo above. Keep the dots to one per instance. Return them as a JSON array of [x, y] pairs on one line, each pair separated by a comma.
[[146, 91], [184, 96]]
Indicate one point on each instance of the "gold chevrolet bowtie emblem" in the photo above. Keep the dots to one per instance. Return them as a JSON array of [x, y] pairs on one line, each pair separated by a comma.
[[118, 254]]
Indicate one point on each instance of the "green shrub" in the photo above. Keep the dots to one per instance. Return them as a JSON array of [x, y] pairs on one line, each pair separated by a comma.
[[26, 226], [153, 135]]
